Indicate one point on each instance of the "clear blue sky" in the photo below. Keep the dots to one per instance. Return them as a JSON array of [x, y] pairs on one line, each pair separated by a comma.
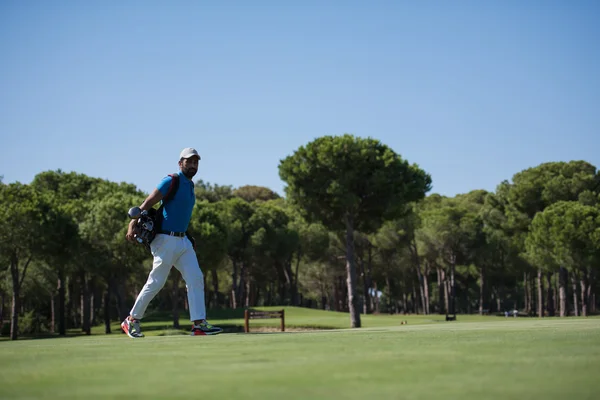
[[472, 91]]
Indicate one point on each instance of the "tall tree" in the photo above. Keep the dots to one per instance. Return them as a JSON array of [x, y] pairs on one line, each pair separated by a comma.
[[568, 233], [210, 231], [451, 228], [534, 189], [109, 256], [28, 220], [272, 248], [311, 244], [237, 214], [72, 193], [349, 183]]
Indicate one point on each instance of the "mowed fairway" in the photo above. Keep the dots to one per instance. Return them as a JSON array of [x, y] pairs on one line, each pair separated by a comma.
[[500, 359]]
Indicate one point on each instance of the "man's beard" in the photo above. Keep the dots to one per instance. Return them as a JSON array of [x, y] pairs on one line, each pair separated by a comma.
[[189, 172]]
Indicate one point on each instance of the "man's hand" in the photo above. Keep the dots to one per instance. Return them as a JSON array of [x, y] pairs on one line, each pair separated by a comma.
[[131, 230]]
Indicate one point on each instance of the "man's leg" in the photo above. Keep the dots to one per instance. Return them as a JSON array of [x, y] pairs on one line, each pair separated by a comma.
[[194, 281], [163, 254], [187, 264]]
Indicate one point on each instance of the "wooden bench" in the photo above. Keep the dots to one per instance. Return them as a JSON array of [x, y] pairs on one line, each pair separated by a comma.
[[261, 314]]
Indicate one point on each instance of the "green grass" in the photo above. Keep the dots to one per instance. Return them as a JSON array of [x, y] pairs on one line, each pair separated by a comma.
[[474, 358]]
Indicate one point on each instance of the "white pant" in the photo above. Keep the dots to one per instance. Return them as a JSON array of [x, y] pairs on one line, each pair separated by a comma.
[[178, 252]]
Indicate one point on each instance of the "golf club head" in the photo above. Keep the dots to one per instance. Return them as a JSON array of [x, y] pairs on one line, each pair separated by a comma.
[[134, 212]]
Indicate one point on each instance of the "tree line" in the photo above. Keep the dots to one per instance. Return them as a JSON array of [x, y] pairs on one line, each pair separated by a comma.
[[357, 231]]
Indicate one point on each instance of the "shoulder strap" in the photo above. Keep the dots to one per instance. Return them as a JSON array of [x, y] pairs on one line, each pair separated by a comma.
[[172, 188]]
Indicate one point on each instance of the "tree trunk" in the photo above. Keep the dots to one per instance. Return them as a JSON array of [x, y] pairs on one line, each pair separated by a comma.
[[363, 273], [242, 284], [294, 284], [248, 290], [526, 293], [376, 292], [446, 293], [422, 290], [351, 274], [441, 281], [340, 296], [206, 291], [481, 290], [590, 295], [421, 277], [467, 298], [562, 291], [404, 304], [14, 322], [426, 292], [17, 280], [215, 282], [62, 328], [555, 293], [85, 303], [415, 302], [52, 313], [584, 300], [575, 299], [549, 295], [107, 294], [389, 292], [369, 278], [540, 294], [2, 309], [498, 300], [14, 272], [120, 293], [175, 300], [234, 285], [287, 285], [92, 300], [452, 288]]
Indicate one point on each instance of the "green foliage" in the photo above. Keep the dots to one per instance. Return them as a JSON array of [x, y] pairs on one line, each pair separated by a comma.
[[567, 234], [206, 191], [332, 178], [252, 193], [270, 249], [272, 238], [22, 214], [454, 228], [210, 231], [237, 213], [534, 189], [510, 211]]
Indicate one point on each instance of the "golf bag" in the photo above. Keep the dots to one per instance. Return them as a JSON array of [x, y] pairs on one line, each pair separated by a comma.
[[149, 223]]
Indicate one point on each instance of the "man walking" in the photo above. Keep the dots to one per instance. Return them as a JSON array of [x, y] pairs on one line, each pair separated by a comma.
[[171, 247]]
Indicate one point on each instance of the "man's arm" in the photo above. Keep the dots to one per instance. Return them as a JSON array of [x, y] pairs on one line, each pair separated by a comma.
[[150, 201]]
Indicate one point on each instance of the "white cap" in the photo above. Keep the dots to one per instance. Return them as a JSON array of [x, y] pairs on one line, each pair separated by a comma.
[[188, 152]]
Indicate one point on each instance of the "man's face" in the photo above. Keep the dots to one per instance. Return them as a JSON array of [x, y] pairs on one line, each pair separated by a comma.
[[189, 166]]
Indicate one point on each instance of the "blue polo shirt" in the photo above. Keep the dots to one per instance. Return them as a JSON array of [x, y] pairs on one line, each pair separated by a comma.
[[178, 211]]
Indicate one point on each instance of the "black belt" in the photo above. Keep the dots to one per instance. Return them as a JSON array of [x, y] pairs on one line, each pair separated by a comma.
[[170, 233]]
